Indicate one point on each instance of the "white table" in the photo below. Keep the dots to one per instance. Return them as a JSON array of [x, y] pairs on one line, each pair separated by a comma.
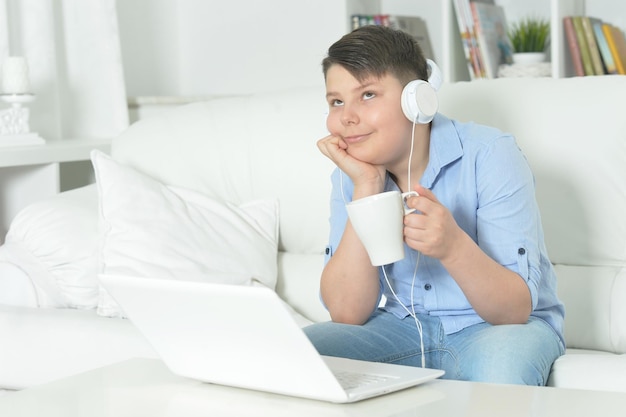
[[144, 387]]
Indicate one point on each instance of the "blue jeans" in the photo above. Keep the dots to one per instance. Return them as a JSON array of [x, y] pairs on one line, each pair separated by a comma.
[[514, 354]]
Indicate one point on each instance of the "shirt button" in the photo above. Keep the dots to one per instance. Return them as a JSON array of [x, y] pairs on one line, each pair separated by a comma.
[[427, 287], [521, 251], [327, 251]]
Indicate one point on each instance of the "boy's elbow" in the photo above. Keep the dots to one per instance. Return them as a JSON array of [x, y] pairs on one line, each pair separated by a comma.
[[517, 317], [346, 316]]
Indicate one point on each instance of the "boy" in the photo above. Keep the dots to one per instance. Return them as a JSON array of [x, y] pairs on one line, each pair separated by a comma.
[[475, 294]]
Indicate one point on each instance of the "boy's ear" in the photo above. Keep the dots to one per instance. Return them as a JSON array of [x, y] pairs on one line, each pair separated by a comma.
[[419, 98]]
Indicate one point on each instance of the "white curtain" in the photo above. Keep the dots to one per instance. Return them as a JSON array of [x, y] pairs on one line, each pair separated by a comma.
[[75, 62]]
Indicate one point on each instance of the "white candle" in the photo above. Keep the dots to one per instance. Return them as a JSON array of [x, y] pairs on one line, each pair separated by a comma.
[[15, 76]]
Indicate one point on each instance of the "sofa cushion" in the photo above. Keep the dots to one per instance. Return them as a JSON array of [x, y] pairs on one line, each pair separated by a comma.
[[573, 132], [590, 370], [158, 231], [595, 308], [242, 148]]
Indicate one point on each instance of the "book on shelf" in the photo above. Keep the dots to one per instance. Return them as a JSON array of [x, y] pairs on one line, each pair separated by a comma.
[[592, 44], [413, 25], [358, 20], [416, 27], [603, 46], [465, 40], [617, 44], [582, 44], [574, 48], [465, 22], [491, 34], [592, 33]]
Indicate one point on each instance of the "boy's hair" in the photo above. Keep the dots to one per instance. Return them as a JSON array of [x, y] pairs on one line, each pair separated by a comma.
[[377, 51]]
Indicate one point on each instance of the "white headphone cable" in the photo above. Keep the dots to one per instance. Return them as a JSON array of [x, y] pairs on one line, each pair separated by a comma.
[[411, 312], [411, 154]]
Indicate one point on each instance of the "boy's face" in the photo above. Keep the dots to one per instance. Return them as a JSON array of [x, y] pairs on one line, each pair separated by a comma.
[[368, 116]]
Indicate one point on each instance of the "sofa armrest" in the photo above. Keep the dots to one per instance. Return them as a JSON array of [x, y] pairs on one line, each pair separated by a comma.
[[16, 287], [54, 243]]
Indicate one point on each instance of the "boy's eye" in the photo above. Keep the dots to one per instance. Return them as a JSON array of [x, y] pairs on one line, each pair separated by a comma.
[[368, 95], [336, 103]]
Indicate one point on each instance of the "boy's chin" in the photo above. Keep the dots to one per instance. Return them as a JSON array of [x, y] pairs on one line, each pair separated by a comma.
[[360, 155], [368, 159]]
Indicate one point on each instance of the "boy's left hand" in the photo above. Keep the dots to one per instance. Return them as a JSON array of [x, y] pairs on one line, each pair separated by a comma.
[[431, 230]]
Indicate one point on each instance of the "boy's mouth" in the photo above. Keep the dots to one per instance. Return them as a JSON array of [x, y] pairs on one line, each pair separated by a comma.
[[355, 138]]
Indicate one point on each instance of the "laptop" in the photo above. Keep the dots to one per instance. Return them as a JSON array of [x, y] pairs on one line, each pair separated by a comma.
[[245, 337]]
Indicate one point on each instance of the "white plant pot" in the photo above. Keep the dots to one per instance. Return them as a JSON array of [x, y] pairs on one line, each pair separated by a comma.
[[529, 57]]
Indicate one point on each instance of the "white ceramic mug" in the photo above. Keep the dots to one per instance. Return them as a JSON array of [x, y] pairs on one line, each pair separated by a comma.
[[378, 222]]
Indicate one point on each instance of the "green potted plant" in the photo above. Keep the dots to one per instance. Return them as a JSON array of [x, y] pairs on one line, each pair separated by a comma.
[[529, 39]]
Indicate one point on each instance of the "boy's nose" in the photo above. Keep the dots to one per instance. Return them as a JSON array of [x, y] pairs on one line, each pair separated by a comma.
[[349, 116]]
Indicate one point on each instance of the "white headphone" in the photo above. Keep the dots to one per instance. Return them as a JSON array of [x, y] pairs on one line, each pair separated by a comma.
[[419, 98]]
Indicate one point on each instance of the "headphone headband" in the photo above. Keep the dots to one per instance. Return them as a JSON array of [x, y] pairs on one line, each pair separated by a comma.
[[434, 77]]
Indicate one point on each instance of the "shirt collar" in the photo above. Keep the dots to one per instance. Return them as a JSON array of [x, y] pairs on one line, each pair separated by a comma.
[[445, 148]]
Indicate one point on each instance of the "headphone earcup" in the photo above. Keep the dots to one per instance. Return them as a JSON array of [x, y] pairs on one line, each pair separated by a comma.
[[419, 97], [419, 101]]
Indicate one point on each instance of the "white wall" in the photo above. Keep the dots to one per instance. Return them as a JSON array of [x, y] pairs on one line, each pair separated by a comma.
[[149, 42], [214, 47], [611, 11]]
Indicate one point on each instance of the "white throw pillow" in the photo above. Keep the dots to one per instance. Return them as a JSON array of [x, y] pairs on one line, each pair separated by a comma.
[[153, 230]]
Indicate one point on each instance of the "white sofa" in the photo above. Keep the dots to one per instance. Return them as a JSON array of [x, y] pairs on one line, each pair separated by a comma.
[[263, 146]]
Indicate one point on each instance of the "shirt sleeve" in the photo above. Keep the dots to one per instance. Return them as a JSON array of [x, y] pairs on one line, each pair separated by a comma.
[[341, 194], [508, 221]]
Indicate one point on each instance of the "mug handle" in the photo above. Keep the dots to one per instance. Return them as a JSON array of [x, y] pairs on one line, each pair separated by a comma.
[[406, 195]]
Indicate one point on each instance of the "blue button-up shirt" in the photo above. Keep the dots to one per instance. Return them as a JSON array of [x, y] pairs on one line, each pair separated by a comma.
[[482, 177]]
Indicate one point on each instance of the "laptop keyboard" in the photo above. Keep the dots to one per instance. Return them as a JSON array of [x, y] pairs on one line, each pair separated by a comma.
[[350, 380]]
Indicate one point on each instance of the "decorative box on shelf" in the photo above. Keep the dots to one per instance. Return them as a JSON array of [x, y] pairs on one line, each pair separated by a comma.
[[540, 69], [14, 128]]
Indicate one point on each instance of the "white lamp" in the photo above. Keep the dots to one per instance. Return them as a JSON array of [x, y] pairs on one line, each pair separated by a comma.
[[15, 78]]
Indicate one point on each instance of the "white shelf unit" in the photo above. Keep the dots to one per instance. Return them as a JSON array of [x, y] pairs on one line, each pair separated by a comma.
[[554, 11], [68, 150], [31, 173], [444, 33]]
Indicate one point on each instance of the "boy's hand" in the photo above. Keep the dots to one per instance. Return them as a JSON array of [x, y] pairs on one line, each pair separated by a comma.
[[360, 172], [431, 230]]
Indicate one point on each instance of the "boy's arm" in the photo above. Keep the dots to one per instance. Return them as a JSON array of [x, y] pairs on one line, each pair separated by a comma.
[[350, 285], [497, 294]]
